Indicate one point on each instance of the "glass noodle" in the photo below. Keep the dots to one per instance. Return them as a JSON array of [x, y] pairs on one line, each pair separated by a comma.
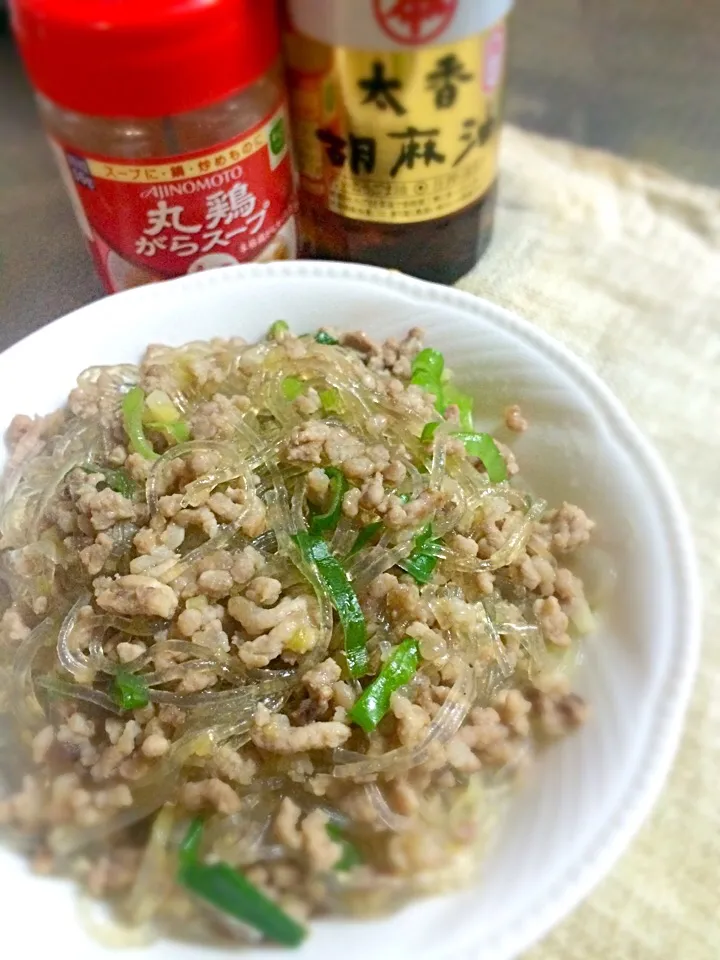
[[239, 501]]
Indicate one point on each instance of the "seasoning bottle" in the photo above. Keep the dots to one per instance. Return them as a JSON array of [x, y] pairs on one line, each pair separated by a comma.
[[395, 107], [168, 121]]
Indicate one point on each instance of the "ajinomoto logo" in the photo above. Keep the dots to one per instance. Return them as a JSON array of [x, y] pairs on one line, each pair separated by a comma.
[[414, 22]]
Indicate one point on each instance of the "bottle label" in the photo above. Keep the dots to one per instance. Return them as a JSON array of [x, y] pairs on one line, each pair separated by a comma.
[[393, 24], [397, 137], [149, 220]]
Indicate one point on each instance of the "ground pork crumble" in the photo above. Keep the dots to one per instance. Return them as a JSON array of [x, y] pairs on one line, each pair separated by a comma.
[[169, 651]]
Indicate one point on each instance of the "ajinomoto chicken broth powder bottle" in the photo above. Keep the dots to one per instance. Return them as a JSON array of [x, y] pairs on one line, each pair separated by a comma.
[[396, 114], [168, 122]]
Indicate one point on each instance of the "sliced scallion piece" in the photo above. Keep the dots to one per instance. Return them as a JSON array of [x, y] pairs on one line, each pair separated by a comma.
[[365, 536], [426, 372], [118, 480], [482, 446], [428, 431], [350, 853], [463, 401], [159, 408], [367, 533], [129, 691], [429, 362], [336, 584], [161, 414], [232, 893], [421, 563], [178, 432], [374, 702], [133, 408], [320, 522], [277, 329], [190, 846], [292, 388], [331, 401]]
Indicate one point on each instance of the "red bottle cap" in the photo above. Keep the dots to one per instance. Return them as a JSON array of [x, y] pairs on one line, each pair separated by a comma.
[[144, 58]]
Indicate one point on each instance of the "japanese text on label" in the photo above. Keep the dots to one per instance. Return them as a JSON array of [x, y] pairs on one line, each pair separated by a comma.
[[402, 137]]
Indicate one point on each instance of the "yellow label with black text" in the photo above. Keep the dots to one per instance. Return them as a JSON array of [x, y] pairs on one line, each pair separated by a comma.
[[397, 137]]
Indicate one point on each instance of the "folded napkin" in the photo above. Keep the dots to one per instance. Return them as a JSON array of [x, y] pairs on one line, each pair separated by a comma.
[[622, 263]]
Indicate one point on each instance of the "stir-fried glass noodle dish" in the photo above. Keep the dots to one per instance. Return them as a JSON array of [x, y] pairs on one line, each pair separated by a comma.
[[280, 628]]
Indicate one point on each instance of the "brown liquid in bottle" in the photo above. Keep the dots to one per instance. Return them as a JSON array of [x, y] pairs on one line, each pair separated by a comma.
[[332, 111], [441, 250]]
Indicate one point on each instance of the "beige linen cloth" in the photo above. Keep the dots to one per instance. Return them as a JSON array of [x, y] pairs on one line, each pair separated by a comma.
[[622, 263]]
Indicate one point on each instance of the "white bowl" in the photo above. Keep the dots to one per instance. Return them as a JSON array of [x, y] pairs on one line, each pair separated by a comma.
[[588, 795]]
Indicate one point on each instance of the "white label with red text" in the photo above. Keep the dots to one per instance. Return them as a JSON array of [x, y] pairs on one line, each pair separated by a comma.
[[394, 24], [152, 219]]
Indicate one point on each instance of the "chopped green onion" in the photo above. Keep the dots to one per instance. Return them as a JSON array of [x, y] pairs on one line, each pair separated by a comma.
[[422, 561], [350, 856], [161, 414], [479, 445], [429, 361], [320, 522], [178, 432], [190, 846], [365, 536], [121, 482], [426, 372], [427, 381], [425, 540], [230, 892], [160, 408], [433, 386], [331, 401], [367, 533], [118, 480], [277, 328], [374, 702], [464, 403], [292, 388], [133, 407], [327, 339], [129, 691], [428, 432], [343, 597], [420, 566], [483, 446]]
